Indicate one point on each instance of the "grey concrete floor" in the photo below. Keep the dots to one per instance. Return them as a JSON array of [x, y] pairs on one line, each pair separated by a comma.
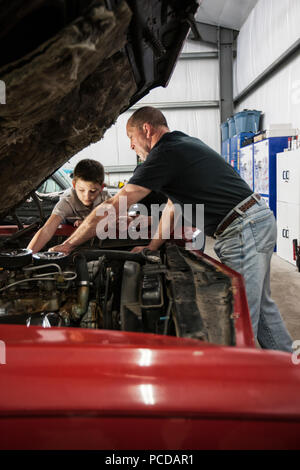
[[285, 288]]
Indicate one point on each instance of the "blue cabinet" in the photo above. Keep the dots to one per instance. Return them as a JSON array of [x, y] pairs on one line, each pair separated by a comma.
[[226, 150], [264, 162]]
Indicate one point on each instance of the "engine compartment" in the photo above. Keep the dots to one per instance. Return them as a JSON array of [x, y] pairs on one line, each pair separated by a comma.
[[171, 292]]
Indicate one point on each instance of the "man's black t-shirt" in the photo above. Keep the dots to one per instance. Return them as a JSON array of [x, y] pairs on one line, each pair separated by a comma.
[[187, 171], [152, 198]]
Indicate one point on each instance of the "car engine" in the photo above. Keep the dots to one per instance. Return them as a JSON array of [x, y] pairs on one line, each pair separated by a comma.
[[171, 292]]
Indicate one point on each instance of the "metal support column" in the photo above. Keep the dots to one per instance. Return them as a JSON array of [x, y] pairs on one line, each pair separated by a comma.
[[225, 46], [223, 38]]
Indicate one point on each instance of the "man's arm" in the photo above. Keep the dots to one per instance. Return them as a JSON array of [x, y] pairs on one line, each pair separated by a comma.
[[87, 229], [164, 229]]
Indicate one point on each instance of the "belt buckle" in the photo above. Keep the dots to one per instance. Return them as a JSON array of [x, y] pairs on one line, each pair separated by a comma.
[[255, 196], [239, 212]]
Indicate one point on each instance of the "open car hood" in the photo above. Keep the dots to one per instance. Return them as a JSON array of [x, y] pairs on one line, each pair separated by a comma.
[[70, 69]]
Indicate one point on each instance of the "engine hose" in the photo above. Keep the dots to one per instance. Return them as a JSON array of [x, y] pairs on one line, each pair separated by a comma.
[[83, 282], [141, 258]]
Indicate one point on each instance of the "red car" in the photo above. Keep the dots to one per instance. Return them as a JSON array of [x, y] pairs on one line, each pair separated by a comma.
[[108, 349], [165, 370]]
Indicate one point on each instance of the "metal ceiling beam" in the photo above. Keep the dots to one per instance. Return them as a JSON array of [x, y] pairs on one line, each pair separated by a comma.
[[204, 32], [119, 169], [179, 105], [198, 55]]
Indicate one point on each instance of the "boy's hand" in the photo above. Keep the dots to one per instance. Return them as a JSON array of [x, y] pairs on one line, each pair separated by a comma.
[[77, 223]]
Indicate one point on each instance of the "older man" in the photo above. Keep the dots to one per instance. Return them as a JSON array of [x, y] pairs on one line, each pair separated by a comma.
[[188, 172]]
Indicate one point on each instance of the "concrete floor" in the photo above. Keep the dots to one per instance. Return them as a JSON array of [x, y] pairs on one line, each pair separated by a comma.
[[285, 288]]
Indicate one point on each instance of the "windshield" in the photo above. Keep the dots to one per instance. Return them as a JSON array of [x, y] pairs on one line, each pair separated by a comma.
[[65, 177], [58, 182]]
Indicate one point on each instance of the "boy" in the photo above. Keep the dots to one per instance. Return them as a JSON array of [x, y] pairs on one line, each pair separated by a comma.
[[76, 203]]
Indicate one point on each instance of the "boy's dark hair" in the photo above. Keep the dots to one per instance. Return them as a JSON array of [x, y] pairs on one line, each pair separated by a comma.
[[89, 170], [147, 114]]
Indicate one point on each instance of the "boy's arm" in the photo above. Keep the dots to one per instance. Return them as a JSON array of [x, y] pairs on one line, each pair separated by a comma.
[[45, 233], [87, 229]]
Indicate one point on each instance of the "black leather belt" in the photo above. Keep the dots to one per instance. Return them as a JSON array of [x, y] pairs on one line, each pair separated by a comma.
[[234, 215]]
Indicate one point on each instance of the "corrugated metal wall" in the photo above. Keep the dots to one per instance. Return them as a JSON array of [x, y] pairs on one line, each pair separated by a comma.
[[272, 28]]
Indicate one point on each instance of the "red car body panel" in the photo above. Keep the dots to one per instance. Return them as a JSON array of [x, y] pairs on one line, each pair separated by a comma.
[[79, 389], [71, 388], [63, 230]]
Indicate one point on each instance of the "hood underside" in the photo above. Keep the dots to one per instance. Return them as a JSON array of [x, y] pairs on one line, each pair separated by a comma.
[[69, 69]]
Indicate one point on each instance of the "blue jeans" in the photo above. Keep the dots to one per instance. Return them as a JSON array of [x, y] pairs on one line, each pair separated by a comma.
[[246, 246]]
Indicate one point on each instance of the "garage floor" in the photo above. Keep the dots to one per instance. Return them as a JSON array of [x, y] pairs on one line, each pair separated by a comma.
[[285, 288]]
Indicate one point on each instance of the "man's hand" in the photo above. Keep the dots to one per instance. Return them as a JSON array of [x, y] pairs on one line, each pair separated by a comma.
[[138, 249], [65, 248], [166, 226]]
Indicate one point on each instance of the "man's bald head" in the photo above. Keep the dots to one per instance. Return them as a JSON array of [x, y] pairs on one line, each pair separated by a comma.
[[148, 114]]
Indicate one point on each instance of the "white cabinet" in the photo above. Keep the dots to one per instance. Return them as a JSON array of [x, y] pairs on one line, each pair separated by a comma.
[[288, 176], [288, 229], [288, 203], [264, 162]]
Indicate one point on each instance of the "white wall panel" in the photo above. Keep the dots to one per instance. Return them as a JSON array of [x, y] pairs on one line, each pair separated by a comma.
[[278, 98], [196, 46], [100, 150], [113, 149], [192, 80], [201, 123], [272, 27], [126, 155]]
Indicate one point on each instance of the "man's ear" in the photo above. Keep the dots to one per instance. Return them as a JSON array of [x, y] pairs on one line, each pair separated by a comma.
[[73, 183], [147, 129]]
